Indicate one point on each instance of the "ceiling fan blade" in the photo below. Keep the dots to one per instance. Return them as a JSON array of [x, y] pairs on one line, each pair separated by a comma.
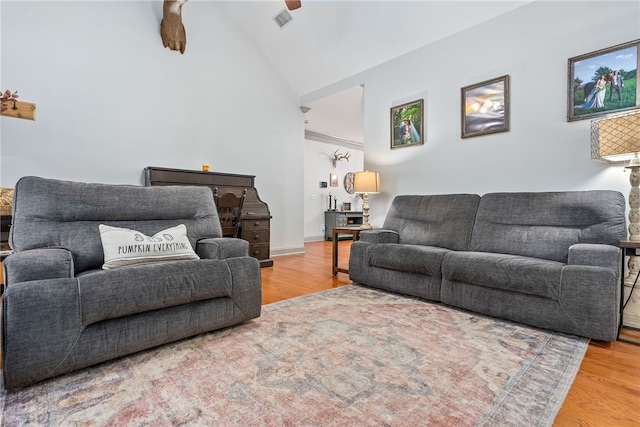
[[293, 4]]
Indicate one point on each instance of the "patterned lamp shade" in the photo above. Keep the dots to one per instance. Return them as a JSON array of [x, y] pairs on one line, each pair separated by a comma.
[[617, 138]]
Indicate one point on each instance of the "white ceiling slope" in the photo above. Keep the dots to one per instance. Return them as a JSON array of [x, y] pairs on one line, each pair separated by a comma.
[[329, 40], [339, 116]]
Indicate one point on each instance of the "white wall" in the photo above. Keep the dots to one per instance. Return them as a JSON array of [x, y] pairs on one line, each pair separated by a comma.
[[318, 167], [112, 100], [541, 152]]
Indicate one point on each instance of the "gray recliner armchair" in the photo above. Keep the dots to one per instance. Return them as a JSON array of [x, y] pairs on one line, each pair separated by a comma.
[[62, 310]]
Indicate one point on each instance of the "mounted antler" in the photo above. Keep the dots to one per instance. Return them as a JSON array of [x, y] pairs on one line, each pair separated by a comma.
[[171, 28], [337, 157]]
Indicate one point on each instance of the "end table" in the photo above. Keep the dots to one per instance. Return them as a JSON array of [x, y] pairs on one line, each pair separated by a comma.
[[629, 248], [355, 232]]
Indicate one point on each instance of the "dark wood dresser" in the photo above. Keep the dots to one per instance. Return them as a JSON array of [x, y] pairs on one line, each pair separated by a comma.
[[255, 220]]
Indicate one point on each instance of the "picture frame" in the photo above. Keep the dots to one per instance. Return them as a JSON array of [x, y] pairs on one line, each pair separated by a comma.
[[591, 89], [407, 124], [346, 206], [485, 107], [333, 180]]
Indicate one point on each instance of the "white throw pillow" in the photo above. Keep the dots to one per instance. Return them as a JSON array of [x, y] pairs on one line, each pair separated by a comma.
[[122, 246]]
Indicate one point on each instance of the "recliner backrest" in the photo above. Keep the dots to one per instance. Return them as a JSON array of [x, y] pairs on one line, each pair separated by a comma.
[[56, 213], [443, 220], [545, 224]]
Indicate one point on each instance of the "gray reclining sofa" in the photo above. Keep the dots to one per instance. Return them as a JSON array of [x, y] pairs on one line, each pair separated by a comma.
[[549, 260], [62, 311]]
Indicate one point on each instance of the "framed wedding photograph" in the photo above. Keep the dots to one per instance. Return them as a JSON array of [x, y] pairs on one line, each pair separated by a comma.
[[485, 107], [407, 124], [603, 82]]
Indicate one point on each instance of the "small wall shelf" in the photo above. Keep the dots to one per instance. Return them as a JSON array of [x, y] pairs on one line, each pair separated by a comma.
[[20, 110]]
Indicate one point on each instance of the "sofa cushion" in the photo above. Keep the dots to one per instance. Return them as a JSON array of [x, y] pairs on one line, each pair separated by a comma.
[[408, 258], [545, 225], [439, 220], [123, 246], [527, 275], [109, 294]]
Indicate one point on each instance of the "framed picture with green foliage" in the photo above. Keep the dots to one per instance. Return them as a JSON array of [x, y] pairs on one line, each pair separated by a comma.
[[407, 124], [603, 82]]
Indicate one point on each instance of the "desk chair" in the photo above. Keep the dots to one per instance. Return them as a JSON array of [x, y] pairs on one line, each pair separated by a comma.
[[229, 210]]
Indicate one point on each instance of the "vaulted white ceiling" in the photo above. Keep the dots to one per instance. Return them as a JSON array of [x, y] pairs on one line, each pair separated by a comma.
[[330, 40]]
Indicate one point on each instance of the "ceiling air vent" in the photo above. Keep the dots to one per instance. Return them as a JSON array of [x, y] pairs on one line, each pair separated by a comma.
[[283, 18]]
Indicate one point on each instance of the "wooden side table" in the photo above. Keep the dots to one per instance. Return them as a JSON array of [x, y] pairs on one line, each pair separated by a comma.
[[355, 232], [629, 248]]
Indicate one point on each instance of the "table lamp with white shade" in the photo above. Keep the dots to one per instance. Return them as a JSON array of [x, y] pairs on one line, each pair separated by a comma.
[[366, 183]]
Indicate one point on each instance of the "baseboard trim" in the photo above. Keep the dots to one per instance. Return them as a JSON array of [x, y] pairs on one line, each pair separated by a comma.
[[287, 251]]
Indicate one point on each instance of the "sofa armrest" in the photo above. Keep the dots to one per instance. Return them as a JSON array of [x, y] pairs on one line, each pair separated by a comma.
[[222, 248], [380, 236], [38, 264], [594, 255]]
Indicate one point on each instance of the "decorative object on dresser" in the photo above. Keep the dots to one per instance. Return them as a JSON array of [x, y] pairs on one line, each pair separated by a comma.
[[366, 183], [255, 218], [333, 219]]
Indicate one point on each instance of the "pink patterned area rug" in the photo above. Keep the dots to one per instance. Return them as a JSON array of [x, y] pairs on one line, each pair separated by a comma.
[[350, 356]]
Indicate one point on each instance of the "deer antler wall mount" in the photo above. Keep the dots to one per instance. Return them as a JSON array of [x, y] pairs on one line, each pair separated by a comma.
[[172, 30], [338, 156]]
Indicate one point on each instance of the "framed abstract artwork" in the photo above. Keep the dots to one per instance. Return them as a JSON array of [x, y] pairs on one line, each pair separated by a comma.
[[485, 107], [603, 82], [407, 124]]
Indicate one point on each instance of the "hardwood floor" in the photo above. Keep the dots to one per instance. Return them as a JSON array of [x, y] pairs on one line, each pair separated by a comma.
[[606, 391]]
